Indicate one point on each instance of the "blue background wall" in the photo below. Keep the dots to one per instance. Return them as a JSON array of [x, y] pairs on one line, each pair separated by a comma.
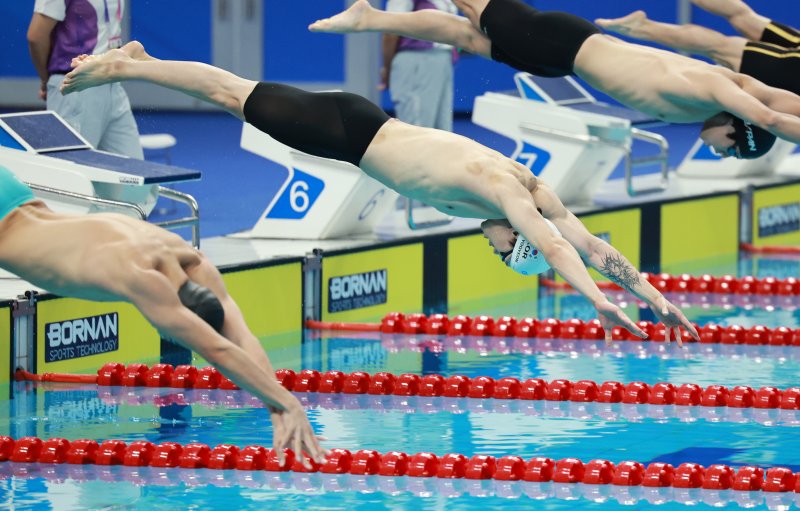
[[180, 30]]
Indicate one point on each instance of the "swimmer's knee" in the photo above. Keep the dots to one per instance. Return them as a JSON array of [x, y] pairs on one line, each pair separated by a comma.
[[203, 302]]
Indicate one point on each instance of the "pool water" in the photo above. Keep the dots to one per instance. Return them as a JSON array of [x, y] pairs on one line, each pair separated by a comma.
[[586, 431]]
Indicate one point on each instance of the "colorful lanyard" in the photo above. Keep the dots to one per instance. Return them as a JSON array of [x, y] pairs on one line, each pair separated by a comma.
[[119, 11]]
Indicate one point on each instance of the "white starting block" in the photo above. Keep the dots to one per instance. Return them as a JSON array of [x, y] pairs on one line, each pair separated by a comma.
[[701, 162], [320, 198], [573, 150], [71, 176]]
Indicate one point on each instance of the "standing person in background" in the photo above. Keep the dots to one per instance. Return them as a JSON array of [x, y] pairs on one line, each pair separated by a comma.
[[419, 74], [59, 31]]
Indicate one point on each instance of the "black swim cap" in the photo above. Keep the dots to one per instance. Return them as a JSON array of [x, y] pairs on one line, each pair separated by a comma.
[[750, 141]]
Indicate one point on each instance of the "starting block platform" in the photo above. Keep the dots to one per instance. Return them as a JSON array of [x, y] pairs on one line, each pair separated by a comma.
[[71, 176]]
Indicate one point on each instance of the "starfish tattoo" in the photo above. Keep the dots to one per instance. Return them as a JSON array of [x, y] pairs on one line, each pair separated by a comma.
[[619, 271]]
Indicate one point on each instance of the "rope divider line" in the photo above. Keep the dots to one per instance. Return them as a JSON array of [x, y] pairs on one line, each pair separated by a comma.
[[551, 328], [685, 283], [770, 249], [398, 464], [456, 386]]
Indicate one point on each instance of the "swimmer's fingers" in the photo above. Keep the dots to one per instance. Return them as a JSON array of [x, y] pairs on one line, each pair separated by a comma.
[[678, 337], [609, 336]]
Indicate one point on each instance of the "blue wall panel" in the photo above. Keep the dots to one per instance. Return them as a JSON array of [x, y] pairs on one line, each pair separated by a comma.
[[15, 61], [173, 30], [291, 52]]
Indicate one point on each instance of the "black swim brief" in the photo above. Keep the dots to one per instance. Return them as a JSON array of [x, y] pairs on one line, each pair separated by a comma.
[[782, 35], [774, 65], [543, 43]]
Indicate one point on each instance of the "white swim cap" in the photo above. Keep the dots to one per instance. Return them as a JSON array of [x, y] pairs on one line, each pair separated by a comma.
[[527, 259]]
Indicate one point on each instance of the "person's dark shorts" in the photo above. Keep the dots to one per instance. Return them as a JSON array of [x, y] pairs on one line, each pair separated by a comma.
[[782, 35], [543, 43], [776, 66]]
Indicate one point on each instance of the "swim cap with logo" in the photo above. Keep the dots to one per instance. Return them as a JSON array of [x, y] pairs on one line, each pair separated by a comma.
[[750, 141], [526, 259]]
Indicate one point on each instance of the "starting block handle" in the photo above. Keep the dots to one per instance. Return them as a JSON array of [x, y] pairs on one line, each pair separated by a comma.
[[541, 130], [415, 226], [192, 220], [138, 211], [661, 158]]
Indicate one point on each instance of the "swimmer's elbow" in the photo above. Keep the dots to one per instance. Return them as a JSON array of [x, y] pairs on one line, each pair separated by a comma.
[[215, 353]]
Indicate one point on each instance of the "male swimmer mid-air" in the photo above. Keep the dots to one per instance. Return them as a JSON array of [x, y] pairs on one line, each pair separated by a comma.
[[110, 257], [452, 173], [741, 115], [770, 53]]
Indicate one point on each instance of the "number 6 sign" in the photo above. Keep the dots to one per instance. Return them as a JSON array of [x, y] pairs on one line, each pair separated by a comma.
[[318, 198]]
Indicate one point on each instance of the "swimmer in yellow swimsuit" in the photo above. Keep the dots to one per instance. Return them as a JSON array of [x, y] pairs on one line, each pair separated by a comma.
[[110, 257]]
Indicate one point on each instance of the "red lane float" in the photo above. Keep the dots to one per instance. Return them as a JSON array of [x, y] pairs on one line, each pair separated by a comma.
[[726, 284], [460, 386], [398, 464], [769, 249], [576, 329]]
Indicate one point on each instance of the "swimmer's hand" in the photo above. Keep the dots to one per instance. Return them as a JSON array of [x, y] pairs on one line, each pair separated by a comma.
[[611, 315], [292, 430], [673, 320]]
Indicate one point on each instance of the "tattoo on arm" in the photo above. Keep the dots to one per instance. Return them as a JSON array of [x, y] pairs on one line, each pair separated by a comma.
[[619, 271]]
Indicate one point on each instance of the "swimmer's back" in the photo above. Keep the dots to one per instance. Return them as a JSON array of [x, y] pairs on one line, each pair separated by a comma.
[[13, 192]]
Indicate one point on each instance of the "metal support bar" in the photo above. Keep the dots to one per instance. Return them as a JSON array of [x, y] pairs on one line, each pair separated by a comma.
[[192, 221], [414, 225], [23, 313], [312, 286], [92, 200], [661, 158]]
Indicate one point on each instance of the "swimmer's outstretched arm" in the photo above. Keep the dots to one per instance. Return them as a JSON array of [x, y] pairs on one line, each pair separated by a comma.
[[689, 38], [610, 262], [774, 110], [426, 24], [516, 203], [156, 299]]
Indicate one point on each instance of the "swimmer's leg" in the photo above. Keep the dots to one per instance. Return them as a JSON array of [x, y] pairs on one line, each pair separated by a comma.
[[426, 24], [690, 38], [744, 19], [196, 79]]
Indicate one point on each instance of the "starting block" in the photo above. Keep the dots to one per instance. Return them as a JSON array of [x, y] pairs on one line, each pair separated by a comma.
[[71, 176], [574, 150], [320, 198], [701, 162]]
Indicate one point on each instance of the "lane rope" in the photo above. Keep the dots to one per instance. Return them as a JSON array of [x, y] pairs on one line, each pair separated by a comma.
[[551, 328], [397, 464], [770, 249], [456, 386], [113, 396], [418, 486], [685, 283]]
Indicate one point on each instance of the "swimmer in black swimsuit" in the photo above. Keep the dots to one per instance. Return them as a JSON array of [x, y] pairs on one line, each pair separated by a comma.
[[447, 171], [772, 56], [742, 115]]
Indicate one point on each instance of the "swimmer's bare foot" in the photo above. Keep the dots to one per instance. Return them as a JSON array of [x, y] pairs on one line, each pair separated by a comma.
[[630, 25], [135, 50], [93, 70], [354, 19]]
